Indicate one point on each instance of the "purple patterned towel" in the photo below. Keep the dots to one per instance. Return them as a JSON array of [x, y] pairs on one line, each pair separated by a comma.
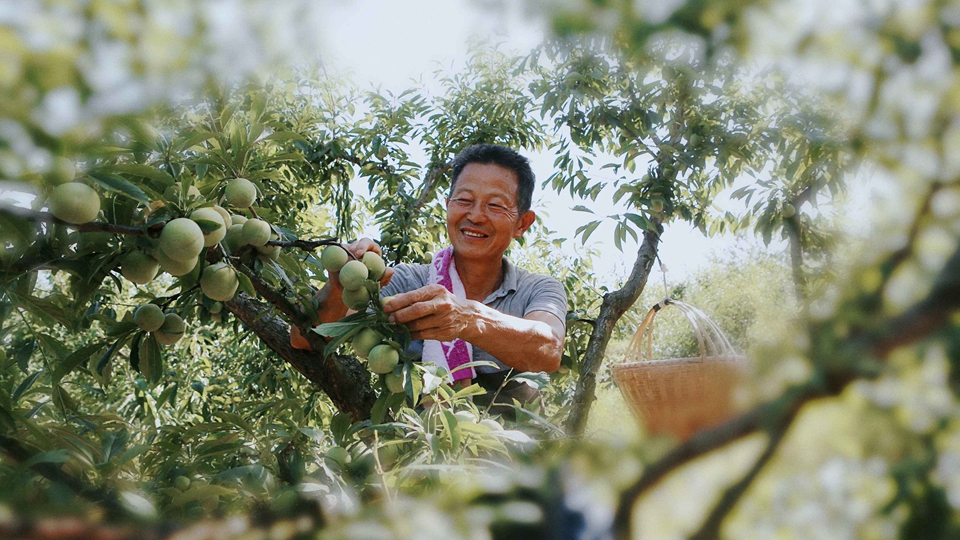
[[448, 354]]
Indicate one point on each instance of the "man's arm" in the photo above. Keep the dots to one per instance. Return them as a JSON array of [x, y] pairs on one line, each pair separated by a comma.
[[531, 343]]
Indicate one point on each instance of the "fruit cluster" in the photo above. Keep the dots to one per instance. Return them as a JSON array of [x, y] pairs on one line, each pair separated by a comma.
[[181, 243], [361, 291]]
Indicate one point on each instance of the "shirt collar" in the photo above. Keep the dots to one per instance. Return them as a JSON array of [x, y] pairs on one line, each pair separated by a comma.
[[509, 285]]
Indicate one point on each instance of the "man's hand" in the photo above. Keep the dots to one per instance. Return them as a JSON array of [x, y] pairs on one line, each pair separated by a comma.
[[330, 297], [530, 343], [297, 341], [433, 312]]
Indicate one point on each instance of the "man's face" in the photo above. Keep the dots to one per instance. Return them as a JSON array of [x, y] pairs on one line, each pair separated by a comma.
[[482, 213]]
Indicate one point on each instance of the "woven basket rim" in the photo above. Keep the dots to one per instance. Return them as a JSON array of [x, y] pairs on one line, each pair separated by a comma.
[[662, 361]]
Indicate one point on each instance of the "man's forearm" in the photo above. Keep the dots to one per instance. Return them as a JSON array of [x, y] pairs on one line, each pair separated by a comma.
[[523, 344]]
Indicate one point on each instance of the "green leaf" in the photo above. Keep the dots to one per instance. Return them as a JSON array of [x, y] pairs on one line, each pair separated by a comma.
[[472, 390], [24, 386], [54, 456], [207, 225], [131, 453], [143, 171], [379, 410], [110, 182], [24, 353], [284, 136], [337, 329], [108, 354], [75, 359], [587, 230], [245, 284], [151, 360]]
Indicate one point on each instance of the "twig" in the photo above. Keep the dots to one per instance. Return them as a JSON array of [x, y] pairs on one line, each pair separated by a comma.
[[306, 245], [710, 529], [93, 226]]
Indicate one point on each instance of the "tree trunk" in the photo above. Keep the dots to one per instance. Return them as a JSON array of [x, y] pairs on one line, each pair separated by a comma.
[[342, 378], [614, 305]]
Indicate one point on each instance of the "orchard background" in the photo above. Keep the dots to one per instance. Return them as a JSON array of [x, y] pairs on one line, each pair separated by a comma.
[[748, 117]]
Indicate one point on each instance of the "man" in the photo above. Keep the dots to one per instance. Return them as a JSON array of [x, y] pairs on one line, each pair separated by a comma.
[[508, 316]]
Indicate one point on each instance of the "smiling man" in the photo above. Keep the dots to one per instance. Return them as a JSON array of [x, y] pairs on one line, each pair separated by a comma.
[[471, 302]]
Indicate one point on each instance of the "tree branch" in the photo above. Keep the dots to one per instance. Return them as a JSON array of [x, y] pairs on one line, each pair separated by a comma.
[[93, 226], [342, 378], [429, 183], [614, 305], [710, 530], [921, 320], [53, 472]]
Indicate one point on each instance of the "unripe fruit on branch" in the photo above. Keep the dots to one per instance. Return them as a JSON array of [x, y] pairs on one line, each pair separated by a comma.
[[217, 307], [214, 237], [182, 483], [181, 240], [387, 454], [333, 258], [383, 358], [353, 274], [219, 282], [224, 215], [256, 232], [175, 267], [338, 454], [374, 264], [789, 211], [241, 193], [172, 193], [171, 331], [356, 299], [63, 170], [394, 382], [74, 203], [270, 252], [237, 219], [149, 317], [365, 340], [139, 267], [656, 206], [233, 241]]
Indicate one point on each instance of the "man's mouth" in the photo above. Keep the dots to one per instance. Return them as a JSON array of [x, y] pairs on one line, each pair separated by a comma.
[[472, 234]]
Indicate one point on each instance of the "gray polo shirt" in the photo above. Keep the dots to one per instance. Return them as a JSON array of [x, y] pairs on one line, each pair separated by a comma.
[[520, 293]]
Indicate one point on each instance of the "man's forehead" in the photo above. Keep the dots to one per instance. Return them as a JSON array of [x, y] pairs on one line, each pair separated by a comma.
[[487, 179]]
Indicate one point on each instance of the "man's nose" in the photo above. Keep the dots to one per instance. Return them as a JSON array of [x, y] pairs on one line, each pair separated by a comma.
[[477, 213]]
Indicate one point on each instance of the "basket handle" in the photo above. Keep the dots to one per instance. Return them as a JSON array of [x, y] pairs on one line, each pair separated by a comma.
[[709, 336]]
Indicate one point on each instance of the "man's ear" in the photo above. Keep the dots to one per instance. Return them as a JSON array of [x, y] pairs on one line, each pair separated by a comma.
[[526, 220]]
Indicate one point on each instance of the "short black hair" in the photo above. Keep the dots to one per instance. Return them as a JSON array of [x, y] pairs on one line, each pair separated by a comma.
[[504, 157]]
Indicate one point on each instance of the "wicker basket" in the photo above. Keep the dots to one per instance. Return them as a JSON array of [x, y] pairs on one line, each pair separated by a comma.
[[680, 396]]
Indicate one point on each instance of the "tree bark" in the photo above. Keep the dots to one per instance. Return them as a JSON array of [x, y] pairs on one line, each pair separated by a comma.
[[614, 305], [342, 378]]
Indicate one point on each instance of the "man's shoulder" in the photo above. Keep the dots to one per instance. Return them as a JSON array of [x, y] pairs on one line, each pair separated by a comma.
[[527, 279]]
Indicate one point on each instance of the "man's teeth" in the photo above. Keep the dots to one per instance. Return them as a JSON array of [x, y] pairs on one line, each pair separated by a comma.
[[473, 235]]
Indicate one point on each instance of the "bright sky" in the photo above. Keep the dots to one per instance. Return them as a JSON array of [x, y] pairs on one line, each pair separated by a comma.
[[384, 43]]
